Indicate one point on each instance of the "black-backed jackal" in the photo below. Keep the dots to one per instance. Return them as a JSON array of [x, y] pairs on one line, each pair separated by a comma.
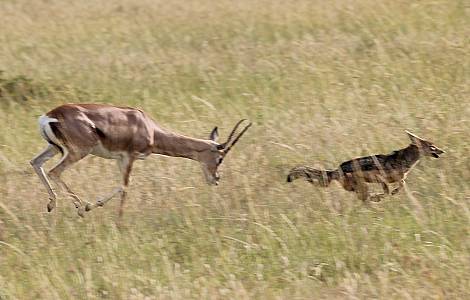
[[354, 174]]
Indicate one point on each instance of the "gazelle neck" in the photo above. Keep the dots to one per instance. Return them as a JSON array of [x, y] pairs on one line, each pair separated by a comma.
[[177, 145]]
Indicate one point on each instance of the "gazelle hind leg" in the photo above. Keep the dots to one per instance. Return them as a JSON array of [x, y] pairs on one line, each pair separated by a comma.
[[37, 163], [67, 160]]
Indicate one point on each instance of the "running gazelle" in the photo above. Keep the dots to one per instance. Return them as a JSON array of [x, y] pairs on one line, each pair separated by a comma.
[[121, 133]]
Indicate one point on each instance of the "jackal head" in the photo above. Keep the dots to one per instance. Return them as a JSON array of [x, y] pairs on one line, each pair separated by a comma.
[[426, 148]]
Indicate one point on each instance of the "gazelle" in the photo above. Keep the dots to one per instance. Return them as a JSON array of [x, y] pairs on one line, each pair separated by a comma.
[[121, 133]]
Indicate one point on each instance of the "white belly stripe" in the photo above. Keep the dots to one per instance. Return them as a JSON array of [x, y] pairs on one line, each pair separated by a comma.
[[101, 151]]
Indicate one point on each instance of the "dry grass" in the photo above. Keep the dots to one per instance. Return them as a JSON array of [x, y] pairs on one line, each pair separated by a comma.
[[323, 81]]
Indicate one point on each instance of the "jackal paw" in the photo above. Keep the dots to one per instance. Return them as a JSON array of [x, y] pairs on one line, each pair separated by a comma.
[[376, 198], [81, 211], [51, 205], [88, 206]]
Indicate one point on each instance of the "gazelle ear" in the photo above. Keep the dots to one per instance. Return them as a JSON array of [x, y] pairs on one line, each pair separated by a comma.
[[414, 138], [214, 134]]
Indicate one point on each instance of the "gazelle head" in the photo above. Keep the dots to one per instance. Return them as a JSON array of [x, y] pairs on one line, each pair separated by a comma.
[[213, 158], [426, 148]]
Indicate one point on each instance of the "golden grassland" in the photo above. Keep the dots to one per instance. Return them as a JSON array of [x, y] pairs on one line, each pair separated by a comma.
[[323, 81]]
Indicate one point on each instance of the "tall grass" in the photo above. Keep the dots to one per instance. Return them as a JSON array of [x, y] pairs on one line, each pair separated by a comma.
[[323, 81]]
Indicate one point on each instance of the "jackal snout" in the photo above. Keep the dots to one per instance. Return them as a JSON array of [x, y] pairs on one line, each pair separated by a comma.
[[425, 147]]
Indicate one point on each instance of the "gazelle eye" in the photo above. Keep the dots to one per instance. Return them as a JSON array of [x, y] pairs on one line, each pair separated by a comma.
[[432, 148]]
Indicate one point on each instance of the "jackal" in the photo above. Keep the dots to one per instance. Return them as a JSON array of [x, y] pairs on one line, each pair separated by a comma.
[[354, 174]]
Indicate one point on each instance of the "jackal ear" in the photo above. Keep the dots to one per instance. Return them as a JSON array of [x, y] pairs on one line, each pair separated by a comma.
[[214, 134], [413, 137]]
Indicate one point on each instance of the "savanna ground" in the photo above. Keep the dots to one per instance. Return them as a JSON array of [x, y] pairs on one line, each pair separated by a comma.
[[323, 81]]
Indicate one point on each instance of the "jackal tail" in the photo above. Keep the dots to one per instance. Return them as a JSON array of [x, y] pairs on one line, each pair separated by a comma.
[[323, 177]]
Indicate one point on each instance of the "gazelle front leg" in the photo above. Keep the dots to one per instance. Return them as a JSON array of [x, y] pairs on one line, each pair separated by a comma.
[[125, 167], [102, 201]]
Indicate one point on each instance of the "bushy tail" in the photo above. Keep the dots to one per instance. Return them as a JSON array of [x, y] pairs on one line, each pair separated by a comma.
[[323, 177]]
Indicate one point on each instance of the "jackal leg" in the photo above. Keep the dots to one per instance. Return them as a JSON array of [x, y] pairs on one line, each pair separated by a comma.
[[361, 190], [385, 188], [357, 185], [401, 185], [377, 197]]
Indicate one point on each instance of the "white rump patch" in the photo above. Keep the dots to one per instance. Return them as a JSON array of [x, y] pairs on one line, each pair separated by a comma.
[[43, 120], [45, 128]]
